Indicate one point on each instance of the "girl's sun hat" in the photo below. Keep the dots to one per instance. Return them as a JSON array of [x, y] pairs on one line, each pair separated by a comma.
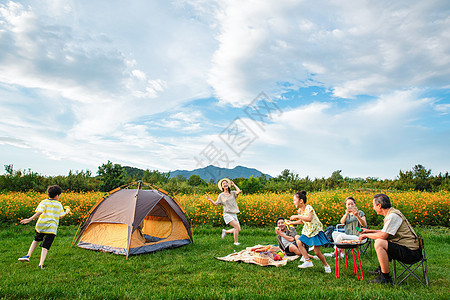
[[219, 183]]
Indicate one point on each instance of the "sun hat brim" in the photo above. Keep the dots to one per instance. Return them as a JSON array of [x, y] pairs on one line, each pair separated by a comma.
[[219, 183]]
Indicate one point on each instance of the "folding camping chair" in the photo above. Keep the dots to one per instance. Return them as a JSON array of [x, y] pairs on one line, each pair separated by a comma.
[[410, 269], [366, 248]]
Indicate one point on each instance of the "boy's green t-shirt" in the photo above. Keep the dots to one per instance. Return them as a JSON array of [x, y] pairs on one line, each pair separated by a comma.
[[48, 221]]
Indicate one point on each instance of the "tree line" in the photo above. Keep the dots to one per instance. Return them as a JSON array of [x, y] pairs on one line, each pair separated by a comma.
[[110, 176]]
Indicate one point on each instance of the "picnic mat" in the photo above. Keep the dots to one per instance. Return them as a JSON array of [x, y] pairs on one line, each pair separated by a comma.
[[248, 256]]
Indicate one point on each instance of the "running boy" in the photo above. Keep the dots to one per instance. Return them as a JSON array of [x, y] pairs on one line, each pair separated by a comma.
[[49, 212]]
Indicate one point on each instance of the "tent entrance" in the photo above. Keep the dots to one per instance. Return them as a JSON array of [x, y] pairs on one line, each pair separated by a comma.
[[157, 225]]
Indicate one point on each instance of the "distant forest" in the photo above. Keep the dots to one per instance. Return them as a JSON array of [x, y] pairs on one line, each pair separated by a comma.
[[110, 176]]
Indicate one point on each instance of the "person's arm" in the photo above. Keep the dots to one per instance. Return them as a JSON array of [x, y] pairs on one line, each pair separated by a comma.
[[375, 235], [300, 219], [391, 225], [287, 237], [362, 220], [66, 211], [344, 217], [25, 221], [284, 235], [365, 230], [211, 200], [238, 190], [308, 218], [293, 218]]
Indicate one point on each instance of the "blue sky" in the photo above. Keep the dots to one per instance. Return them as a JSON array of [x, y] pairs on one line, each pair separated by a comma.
[[357, 86]]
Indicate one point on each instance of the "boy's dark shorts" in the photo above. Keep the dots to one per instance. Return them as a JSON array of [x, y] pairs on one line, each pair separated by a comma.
[[403, 254], [45, 238]]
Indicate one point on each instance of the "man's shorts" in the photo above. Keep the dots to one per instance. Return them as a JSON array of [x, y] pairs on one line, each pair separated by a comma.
[[45, 238], [403, 254], [289, 253], [230, 217]]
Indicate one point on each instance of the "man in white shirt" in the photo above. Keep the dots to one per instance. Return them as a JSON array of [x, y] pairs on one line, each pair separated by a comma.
[[397, 240]]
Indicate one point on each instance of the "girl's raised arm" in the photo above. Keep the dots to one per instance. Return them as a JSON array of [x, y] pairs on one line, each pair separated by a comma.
[[238, 190], [211, 200], [295, 217]]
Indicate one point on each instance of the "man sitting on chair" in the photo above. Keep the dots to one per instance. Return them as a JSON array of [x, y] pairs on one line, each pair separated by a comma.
[[397, 240]]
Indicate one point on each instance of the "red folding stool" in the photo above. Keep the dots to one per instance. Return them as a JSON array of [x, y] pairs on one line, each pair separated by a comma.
[[345, 247]]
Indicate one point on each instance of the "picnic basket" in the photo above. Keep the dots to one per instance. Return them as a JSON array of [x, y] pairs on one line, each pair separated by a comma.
[[261, 258]]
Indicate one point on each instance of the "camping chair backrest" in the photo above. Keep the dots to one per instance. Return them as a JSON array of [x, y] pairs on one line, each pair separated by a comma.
[[340, 228], [420, 241]]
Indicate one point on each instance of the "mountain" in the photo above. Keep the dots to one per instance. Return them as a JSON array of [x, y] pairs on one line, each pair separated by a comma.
[[216, 173], [206, 173]]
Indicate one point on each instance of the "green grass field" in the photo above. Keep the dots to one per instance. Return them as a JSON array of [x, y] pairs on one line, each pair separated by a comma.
[[192, 272]]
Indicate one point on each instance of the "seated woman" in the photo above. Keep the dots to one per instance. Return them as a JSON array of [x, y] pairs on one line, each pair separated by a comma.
[[351, 219]]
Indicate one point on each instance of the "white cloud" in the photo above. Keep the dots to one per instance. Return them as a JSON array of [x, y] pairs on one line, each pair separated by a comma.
[[391, 114], [103, 82], [13, 142], [79, 82], [186, 121], [443, 108], [377, 136], [353, 48]]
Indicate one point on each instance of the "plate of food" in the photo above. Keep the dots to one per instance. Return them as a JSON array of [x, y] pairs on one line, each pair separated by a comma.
[[350, 243]]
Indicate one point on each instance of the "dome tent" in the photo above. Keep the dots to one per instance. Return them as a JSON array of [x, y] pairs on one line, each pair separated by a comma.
[[135, 221]]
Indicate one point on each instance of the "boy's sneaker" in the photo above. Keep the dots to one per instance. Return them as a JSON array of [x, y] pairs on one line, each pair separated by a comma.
[[41, 267], [224, 233], [331, 254], [377, 271], [382, 280], [315, 257], [25, 258], [328, 269], [237, 244], [306, 264]]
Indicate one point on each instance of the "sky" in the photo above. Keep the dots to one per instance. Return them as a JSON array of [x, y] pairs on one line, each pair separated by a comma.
[[309, 86]]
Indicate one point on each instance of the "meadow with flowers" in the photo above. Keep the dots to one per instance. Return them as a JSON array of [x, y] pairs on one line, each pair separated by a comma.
[[258, 210], [191, 272]]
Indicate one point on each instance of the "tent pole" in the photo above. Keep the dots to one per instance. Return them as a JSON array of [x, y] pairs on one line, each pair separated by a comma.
[[128, 242], [76, 233], [130, 230]]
